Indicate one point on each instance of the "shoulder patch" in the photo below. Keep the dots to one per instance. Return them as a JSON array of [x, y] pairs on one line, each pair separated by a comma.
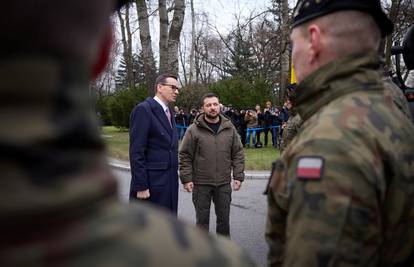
[[310, 168]]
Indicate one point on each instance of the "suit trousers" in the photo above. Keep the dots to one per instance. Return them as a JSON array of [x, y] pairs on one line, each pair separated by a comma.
[[221, 196]]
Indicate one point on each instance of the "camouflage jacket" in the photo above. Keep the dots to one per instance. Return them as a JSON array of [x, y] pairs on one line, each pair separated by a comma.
[[397, 96], [291, 130], [343, 192], [58, 203]]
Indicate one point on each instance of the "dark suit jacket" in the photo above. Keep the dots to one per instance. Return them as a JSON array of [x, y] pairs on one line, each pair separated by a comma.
[[153, 153]]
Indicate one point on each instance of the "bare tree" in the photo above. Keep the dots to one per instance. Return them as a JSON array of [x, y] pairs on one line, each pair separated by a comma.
[[281, 9], [193, 41], [145, 38], [394, 10], [104, 83], [163, 42], [183, 60], [174, 36], [126, 37], [401, 13]]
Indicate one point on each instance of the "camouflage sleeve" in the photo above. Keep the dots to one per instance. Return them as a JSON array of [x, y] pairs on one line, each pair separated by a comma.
[[276, 217], [397, 96], [126, 236], [186, 156], [291, 130], [334, 214]]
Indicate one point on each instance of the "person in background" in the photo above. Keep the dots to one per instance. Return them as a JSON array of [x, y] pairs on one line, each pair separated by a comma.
[[192, 116], [267, 122], [284, 116], [251, 123], [59, 204], [342, 193], [260, 123], [243, 127], [396, 94], [180, 121], [213, 145], [294, 123]]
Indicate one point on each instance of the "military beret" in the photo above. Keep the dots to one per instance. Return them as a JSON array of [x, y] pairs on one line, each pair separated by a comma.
[[121, 3], [307, 10]]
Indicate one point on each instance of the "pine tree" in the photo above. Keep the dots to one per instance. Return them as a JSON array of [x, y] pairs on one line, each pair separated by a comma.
[[138, 69]]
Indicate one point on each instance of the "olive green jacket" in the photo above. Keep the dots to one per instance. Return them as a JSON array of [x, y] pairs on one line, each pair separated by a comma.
[[209, 158]]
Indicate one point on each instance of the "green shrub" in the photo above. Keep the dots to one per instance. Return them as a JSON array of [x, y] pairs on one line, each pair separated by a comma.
[[116, 109], [102, 108], [242, 94]]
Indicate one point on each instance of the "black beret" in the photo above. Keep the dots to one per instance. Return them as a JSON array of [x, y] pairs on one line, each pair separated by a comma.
[[121, 3], [307, 10]]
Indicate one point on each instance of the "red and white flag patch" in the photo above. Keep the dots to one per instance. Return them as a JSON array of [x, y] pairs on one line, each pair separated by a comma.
[[310, 168]]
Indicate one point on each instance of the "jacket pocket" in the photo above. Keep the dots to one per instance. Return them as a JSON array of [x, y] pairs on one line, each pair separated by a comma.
[[157, 166]]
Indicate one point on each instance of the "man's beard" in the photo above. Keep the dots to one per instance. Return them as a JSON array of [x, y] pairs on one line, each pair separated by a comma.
[[212, 117]]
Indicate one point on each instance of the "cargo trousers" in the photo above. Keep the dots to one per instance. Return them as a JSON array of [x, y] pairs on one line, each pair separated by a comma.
[[221, 197]]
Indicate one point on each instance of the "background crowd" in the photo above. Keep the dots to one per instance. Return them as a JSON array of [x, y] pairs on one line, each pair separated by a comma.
[[252, 124]]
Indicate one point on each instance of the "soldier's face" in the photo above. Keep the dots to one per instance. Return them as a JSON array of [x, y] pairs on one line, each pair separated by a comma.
[[211, 107]]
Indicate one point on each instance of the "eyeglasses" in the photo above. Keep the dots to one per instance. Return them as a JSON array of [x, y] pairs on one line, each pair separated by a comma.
[[173, 87]]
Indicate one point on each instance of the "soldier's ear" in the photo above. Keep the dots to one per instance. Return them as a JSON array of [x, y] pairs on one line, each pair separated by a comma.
[[315, 43], [103, 55]]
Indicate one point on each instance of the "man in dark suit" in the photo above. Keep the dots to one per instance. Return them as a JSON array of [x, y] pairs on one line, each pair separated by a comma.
[[153, 149]]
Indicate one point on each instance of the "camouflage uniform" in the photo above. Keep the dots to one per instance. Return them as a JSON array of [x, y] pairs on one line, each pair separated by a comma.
[[291, 130], [357, 208], [397, 96], [58, 202]]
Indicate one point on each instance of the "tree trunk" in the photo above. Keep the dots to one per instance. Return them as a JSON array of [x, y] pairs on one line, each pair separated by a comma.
[[130, 66], [162, 9], [395, 7], [127, 46], [284, 52], [193, 40], [147, 54], [174, 36], [183, 59]]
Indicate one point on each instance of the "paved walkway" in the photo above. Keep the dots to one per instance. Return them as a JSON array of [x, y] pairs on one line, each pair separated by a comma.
[[124, 165]]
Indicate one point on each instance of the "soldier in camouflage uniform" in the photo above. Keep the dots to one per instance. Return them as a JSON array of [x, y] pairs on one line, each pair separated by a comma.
[[397, 96], [292, 126], [291, 129], [58, 199], [343, 192]]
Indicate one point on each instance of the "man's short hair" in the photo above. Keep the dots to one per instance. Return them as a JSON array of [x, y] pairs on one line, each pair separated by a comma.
[[307, 10], [163, 79], [208, 95]]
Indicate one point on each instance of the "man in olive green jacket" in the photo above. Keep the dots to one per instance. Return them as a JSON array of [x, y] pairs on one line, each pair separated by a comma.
[[210, 150]]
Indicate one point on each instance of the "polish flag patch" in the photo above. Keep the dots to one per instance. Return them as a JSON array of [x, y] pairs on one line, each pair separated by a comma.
[[310, 168]]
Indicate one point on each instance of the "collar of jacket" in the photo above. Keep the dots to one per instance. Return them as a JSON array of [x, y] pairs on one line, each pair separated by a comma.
[[51, 153], [224, 122], [343, 76]]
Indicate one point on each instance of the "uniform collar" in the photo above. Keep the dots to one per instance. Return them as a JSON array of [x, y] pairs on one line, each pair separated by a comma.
[[348, 74]]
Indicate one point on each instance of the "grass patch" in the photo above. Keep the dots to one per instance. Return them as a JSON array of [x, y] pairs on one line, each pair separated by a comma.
[[260, 158], [117, 142]]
